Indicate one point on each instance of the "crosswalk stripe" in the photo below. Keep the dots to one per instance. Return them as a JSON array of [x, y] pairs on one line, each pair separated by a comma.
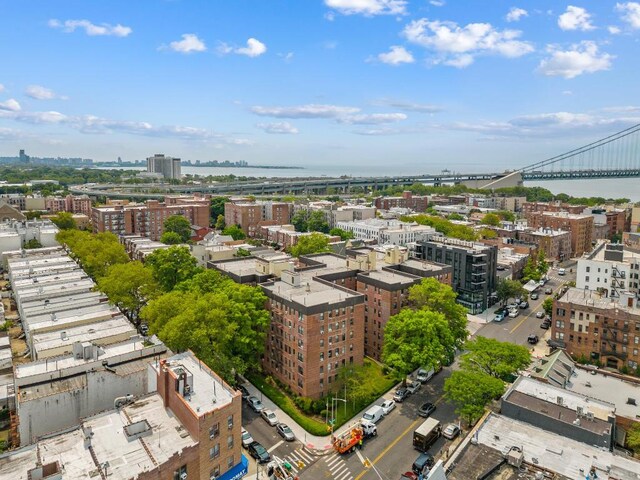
[[304, 455], [346, 475], [293, 467], [332, 459], [293, 455], [338, 469], [275, 446]]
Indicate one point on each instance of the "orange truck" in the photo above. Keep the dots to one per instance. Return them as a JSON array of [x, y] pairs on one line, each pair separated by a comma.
[[350, 439]]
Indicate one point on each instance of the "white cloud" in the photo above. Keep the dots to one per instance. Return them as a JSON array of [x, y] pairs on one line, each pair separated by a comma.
[[575, 18], [39, 92], [630, 13], [305, 111], [396, 56], [91, 29], [458, 46], [254, 48], [190, 43], [1, 88], [515, 14], [613, 30], [581, 58], [373, 118], [287, 57], [567, 92], [368, 7], [437, 3], [411, 107], [278, 128], [10, 105]]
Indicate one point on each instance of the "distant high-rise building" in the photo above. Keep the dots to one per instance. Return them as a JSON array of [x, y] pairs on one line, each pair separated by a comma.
[[169, 167], [24, 158], [119, 160]]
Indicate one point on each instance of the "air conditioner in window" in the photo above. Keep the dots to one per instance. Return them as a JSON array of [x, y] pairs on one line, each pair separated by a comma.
[[183, 476]]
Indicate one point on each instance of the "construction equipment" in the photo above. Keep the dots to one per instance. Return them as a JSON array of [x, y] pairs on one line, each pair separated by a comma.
[[278, 469], [354, 436]]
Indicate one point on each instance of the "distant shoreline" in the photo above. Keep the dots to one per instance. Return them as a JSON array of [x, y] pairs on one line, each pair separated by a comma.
[[197, 165]]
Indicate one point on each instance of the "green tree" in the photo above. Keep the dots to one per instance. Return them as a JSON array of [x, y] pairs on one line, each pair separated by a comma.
[[530, 270], [491, 219], [343, 234], [455, 216], [433, 296], [235, 232], [443, 226], [487, 233], [242, 252], [417, 338], [217, 206], [547, 305], [312, 243], [506, 215], [361, 385], [317, 222], [95, 252], [64, 221], [171, 238], [502, 360], [507, 289], [220, 223], [471, 392], [633, 438], [300, 220], [33, 243], [542, 264], [129, 286], [172, 265], [180, 225]]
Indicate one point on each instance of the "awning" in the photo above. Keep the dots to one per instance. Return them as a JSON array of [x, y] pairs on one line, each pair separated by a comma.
[[237, 471], [531, 286]]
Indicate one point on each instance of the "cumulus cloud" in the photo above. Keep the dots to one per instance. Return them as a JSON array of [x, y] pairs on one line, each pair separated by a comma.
[[278, 128], [368, 8], [11, 105], [254, 48], [437, 3], [39, 92], [630, 13], [372, 118], [458, 46], [613, 30], [581, 58], [575, 18], [91, 29], [396, 55], [515, 14], [190, 43]]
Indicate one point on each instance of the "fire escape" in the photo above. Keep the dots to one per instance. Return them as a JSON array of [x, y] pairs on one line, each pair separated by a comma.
[[612, 341], [617, 282]]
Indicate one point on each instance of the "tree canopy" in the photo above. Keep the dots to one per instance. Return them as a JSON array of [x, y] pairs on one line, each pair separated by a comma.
[[547, 305], [217, 206], [171, 238], [491, 219], [343, 234], [33, 243], [312, 243], [443, 226], [310, 221], [235, 232], [64, 221], [471, 392], [507, 289], [180, 225], [95, 252], [219, 225], [413, 339], [501, 360], [172, 265]]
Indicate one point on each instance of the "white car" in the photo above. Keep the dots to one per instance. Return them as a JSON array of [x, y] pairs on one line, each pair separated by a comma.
[[387, 406], [451, 431], [270, 417], [247, 439], [513, 313]]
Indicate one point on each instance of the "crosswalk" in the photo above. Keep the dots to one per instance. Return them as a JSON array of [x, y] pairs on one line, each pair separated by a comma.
[[338, 468], [299, 459]]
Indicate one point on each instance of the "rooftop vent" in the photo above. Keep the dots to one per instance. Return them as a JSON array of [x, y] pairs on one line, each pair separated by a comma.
[[136, 430], [48, 471], [631, 401]]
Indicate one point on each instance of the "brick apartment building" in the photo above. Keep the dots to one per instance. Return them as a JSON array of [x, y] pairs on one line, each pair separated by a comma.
[[540, 207], [148, 219], [249, 216], [70, 203], [416, 203], [580, 226], [555, 243]]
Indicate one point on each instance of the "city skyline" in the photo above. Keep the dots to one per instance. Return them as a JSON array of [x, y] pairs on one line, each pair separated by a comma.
[[320, 82]]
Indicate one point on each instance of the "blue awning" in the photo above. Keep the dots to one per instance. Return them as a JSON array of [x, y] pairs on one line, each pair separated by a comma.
[[238, 471]]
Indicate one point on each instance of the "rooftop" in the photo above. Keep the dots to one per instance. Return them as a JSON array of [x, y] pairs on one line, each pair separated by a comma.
[[310, 292], [591, 298]]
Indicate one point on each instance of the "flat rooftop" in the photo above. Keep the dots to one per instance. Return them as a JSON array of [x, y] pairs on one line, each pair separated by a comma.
[[423, 265], [390, 278], [310, 292], [591, 298], [558, 454], [62, 320], [38, 306]]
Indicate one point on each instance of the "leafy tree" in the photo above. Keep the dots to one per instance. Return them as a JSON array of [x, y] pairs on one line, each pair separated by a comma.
[[172, 265], [416, 338], [95, 252], [343, 234], [129, 286], [530, 271], [506, 215], [471, 392], [488, 233], [310, 221], [455, 216], [633, 438], [507, 289], [242, 252], [32, 214], [220, 223], [491, 219], [171, 238], [312, 243], [361, 385], [33, 243], [217, 206], [300, 220], [542, 264], [433, 296], [443, 226], [64, 221], [180, 225], [235, 232], [547, 305], [498, 359]]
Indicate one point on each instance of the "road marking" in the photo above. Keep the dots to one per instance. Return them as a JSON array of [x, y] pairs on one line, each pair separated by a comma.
[[360, 457], [522, 321], [275, 446], [332, 459]]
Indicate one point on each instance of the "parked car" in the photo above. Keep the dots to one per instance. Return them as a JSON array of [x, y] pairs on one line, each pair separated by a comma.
[[499, 317], [373, 415], [408, 476], [524, 304], [413, 387], [548, 291], [426, 409], [539, 314], [387, 406], [451, 431], [423, 463], [533, 296], [401, 394], [257, 451], [532, 339], [513, 306], [513, 313], [545, 324], [255, 404], [500, 268], [247, 439], [285, 432], [244, 391], [424, 375], [270, 417], [561, 271]]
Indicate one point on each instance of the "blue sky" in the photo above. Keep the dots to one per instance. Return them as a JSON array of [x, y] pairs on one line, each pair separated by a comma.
[[467, 85]]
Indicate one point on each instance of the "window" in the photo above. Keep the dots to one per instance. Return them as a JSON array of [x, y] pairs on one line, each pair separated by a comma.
[[180, 473], [230, 441], [230, 461], [215, 473], [214, 431], [214, 452], [230, 422]]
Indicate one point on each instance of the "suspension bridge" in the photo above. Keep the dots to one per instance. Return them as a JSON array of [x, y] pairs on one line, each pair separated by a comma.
[[614, 156]]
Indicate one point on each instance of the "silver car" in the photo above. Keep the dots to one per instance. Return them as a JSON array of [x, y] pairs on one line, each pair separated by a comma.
[[413, 387], [285, 432], [247, 439]]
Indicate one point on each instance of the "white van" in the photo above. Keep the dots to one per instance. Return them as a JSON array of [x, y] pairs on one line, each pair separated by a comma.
[[561, 271], [424, 375], [374, 414]]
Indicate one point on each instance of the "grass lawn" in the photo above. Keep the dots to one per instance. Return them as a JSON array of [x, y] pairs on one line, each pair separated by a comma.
[[313, 423]]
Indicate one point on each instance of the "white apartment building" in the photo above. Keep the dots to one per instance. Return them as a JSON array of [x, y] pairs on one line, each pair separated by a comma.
[[169, 167], [609, 269], [387, 232]]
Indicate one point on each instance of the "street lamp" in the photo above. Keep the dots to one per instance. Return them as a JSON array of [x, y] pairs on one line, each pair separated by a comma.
[[333, 419]]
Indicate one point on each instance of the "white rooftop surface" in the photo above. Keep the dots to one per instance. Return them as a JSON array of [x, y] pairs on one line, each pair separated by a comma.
[[591, 298], [628, 256], [616, 391], [556, 453], [5, 354], [391, 278], [570, 400], [61, 320], [4, 343], [206, 387], [46, 279], [85, 333], [37, 259], [44, 269], [52, 365], [38, 306], [56, 290], [310, 292]]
